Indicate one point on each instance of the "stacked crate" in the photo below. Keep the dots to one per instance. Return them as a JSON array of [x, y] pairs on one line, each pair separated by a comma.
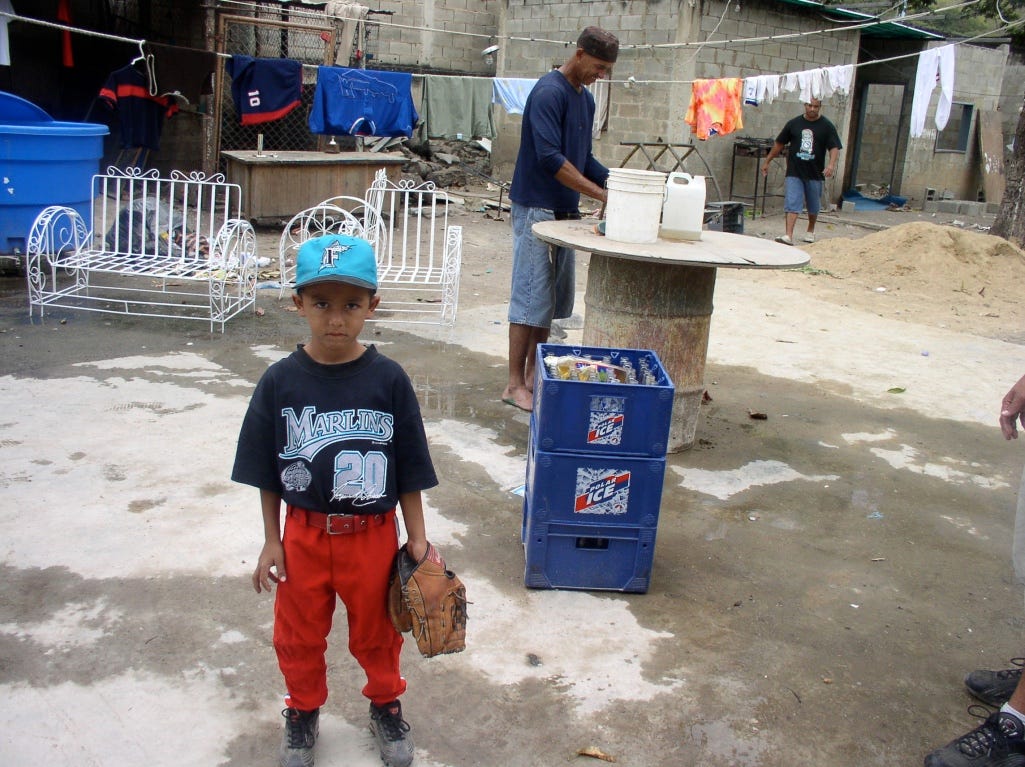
[[595, 466]]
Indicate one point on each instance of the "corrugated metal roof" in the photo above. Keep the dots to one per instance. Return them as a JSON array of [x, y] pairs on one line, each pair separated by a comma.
[[885, 29]]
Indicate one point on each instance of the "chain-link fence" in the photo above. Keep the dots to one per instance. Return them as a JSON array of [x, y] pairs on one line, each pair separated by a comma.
[[309, 44]]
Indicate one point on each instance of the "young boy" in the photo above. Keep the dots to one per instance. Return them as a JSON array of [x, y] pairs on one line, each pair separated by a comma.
[[334, 430]]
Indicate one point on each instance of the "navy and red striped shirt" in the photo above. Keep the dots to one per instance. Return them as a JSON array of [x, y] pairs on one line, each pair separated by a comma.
[[141, 116]]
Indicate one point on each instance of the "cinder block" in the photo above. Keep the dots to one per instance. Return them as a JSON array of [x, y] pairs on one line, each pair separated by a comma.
[[948, 206], [992, 208], [930, 206]]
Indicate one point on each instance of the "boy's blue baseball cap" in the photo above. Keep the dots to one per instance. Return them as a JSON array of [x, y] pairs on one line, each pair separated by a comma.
[[336, 258]]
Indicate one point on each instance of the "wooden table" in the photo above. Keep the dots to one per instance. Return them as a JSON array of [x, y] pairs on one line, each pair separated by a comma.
[[277, 185], [659, 296]]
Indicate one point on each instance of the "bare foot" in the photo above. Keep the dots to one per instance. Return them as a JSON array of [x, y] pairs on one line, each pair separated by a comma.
[[519, 397]]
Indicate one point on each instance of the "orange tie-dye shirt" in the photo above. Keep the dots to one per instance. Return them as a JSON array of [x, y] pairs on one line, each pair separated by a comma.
[[715, 107]]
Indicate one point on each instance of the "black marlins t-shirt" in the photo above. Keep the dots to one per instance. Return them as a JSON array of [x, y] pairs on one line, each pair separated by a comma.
[[340, 439]]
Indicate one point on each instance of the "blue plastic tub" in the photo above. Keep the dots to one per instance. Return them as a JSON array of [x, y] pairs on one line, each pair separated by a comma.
[[42, 162]]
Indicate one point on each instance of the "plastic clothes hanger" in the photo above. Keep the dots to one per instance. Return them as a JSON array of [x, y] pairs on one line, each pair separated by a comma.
[[147, 60]]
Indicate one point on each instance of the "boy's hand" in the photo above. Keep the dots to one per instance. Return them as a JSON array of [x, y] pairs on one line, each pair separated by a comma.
[[273, 555], [417, 549]]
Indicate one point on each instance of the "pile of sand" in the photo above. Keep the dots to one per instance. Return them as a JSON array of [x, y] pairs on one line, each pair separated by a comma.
[[926, 273]]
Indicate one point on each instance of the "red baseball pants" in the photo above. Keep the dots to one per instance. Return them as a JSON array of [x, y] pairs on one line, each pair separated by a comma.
[[320, 568]]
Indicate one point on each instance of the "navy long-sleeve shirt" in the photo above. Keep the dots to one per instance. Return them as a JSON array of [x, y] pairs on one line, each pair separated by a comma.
[[556, 127]]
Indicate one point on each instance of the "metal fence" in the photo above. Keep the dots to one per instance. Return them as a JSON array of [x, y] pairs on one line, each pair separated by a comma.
[[310, 44]]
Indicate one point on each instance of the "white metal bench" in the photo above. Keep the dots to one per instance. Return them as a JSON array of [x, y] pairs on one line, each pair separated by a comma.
[[419, 254], [174, 247]]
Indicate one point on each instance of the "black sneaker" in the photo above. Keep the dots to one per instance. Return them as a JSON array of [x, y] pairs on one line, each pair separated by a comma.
[[994, 688], [392, 734], [998, 742], [301, 730]]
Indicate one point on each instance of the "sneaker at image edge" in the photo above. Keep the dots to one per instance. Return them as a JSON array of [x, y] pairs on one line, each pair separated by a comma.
[[392, 734], [993, 688], [997, 742], [301, 731], [809, 237], [784, 239]]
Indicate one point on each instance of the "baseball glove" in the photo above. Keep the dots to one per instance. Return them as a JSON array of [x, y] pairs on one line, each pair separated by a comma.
[[426, 599]]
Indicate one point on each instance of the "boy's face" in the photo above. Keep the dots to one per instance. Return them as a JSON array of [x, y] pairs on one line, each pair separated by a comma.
[[335, 312]]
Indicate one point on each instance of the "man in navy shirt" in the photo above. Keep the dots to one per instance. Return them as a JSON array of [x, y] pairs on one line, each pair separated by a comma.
[[554, 167]]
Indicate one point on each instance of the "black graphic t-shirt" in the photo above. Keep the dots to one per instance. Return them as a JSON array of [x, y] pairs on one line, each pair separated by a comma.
[[340, 439], [808, 144]]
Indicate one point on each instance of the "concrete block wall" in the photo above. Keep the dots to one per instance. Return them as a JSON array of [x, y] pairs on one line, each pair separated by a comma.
[[653, 111], [1012, 98], [977, 80], [758, 19], [879, 134], [468, 25]]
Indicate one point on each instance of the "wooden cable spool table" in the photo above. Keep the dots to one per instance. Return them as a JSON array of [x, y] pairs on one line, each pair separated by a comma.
[[658, 296]]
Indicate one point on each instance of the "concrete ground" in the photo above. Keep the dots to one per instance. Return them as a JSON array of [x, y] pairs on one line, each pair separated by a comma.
[[822, 579]]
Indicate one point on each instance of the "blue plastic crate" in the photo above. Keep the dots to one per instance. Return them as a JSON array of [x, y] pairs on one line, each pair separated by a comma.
[[615, 418], [596, 489], [590, 557]]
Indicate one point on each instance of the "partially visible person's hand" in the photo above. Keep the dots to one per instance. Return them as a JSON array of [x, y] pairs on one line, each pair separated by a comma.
[[1012, 410], [272, 556], [828, 172]]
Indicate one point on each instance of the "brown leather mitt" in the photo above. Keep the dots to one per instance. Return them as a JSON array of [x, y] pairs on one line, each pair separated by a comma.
[[429, 601]]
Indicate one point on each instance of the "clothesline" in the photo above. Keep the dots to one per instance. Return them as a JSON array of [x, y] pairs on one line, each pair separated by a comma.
[[627, 82], [513, 38], [646, 46]]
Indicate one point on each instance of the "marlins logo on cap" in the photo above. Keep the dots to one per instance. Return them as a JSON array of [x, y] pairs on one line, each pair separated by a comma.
[[336, 258]]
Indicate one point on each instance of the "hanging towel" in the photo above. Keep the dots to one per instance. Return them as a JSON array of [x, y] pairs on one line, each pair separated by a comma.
[[352, 20], [715, 107], [363, 102], [140, 115], [512, 92], [457, 105], [600, 90], [761, 89], [264, 89], [5, 44], [838, 79], [809, 83], [182, 72], [933, 64]]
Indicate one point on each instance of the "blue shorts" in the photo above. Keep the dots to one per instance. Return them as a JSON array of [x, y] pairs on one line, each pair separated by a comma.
[[800, 194], [543, 276]]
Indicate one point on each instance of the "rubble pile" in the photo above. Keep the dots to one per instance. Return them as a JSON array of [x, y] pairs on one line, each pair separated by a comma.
[[448, 163]]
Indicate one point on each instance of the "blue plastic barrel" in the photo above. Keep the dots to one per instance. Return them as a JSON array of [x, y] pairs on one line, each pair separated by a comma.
[[42, 162]]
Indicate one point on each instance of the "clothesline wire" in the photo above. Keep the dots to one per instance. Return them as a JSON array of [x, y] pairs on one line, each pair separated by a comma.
[[1006, 27], [646, 46], [628, 82]]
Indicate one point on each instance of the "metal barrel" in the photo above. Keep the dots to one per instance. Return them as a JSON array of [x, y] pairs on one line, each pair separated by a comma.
[[663, 307]]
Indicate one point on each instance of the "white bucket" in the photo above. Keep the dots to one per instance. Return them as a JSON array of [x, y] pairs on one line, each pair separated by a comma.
[[634, 207]]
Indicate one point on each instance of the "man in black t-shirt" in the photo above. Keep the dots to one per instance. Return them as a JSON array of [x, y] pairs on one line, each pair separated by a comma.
[[808, 138]]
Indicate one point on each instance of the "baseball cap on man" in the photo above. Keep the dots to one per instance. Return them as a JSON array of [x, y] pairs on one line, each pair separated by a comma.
[[596, 42], [336, 258]]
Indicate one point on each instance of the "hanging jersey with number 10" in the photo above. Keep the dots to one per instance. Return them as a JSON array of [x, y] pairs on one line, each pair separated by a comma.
[[264, 89]]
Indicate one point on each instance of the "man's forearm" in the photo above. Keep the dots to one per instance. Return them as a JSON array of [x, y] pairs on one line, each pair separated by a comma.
[[568, 175]]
